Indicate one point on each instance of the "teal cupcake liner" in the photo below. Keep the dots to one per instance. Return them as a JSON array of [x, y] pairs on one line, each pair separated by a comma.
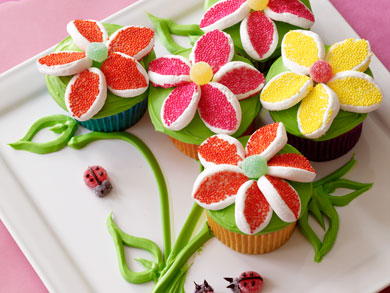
[[117, 122]]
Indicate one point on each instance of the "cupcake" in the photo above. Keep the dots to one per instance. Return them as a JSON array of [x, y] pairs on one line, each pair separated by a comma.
[[253, 195], [322, 94], [98, 73], [257, 26], [203, 91]]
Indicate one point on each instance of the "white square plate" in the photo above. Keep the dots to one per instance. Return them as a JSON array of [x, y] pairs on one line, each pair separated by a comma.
[[60, 224]]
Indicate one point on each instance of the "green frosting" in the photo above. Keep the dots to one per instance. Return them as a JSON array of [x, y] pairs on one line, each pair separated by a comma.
[[344, 121], [196, 132], [226, 218], [234, 31], [60, 124], [114, 104]]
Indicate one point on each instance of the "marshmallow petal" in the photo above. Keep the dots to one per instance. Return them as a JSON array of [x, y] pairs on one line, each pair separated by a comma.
[[180, 106], [220, 149], [301, 49], [317, 111], [63, 63], [86, 94], [169, 71], [224, 14], [219, 108], [282, 197], [84, 32], [259, 35], [134, 41], [215, 48], [252, 211], [350, 54], [357, 92], [241, 78], [290, 11], [285, 90], [125, 75], [294, 167], [216, 187], [267, 141]]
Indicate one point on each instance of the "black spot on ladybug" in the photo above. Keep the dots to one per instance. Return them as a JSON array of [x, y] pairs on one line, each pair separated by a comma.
[[101, 173], [88, 175], [91, 180]]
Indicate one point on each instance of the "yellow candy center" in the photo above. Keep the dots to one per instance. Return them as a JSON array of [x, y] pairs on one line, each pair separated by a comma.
[[258, 5], [201, 73]]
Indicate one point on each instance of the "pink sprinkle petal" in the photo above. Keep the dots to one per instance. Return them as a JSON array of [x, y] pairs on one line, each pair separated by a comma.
[[220, 149], [259, 35], [169, 71], [180, 106], [219, 108], [224, 14], [294, 167], [215, 48], [84, 32], [282, 197], [252, 211], [241, 78], [290, 11], [216, 187], [267, 141]]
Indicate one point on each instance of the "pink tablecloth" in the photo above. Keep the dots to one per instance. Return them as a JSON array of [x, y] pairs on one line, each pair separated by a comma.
[[30, 26]]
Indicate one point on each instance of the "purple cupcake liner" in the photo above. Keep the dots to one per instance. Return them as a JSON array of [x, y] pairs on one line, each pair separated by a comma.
[[320, 151]]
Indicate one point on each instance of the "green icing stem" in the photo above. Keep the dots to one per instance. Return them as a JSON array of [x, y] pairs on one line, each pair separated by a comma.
[[165, 281], [81, 141], [322, 204], [60, 124], [114, 104], [120, 240]]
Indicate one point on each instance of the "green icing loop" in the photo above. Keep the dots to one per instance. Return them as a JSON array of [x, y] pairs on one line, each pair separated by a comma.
[[81, 141], [322, 204], [60, 124], [121, 239]]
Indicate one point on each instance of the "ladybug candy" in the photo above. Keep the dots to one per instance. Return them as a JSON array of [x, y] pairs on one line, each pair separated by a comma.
[[247, 282], [204, 288], [96, 178]]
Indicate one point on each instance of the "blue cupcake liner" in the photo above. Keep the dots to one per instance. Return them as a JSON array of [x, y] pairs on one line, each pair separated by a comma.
[[117, 122]]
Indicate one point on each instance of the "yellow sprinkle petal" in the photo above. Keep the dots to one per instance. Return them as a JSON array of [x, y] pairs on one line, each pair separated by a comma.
[[286, 89], [315, 112], [350, 54], [300, 48], [356, 91]]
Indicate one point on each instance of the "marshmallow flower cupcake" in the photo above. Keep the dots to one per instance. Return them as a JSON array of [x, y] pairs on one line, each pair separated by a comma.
[[321, 93], [257, 26], [253, 195], [98, 73], [204, 91]]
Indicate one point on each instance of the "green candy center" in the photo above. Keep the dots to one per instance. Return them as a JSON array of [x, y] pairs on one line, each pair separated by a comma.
[[97, 52], [254, 166]]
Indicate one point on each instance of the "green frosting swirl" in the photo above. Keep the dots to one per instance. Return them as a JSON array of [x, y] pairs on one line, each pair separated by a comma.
[[234, 31], [344, 121], [226, 218], [114, 104], [196, 132]]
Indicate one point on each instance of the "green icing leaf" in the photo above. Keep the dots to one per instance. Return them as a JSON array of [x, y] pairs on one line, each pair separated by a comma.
[[196, 132], [60, 124], [121, 240], [226, 217], [114, 104]]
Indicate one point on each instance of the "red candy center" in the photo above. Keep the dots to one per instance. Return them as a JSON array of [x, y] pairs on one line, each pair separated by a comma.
[[321, 71]]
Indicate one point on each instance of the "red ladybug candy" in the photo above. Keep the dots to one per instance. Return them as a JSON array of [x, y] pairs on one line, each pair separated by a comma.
[[247, 282], [96, 178]]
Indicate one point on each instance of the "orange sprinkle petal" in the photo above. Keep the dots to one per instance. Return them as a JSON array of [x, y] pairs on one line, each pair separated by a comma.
[[122, 73], [84, 92], [219, 151], [61, 58], [131, 41], [89, 29], [261, 139]]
